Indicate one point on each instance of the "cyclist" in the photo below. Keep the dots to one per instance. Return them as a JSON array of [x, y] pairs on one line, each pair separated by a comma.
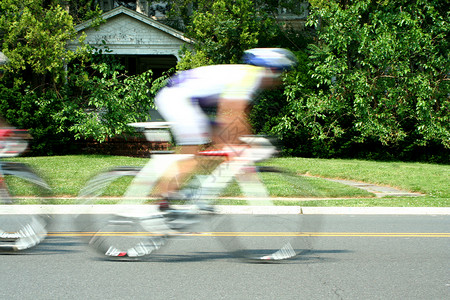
[[11, 140], [226, 90]]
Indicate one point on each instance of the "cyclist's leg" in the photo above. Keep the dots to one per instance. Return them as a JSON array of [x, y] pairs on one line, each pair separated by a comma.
[[191, 130], [190, 125], [146, 224], [177, 173]]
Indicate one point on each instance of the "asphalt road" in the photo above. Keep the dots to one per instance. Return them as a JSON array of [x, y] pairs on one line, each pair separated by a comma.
[[351, 257]]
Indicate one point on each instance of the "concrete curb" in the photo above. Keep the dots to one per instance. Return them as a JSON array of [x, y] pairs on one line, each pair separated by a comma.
[[225, 209]]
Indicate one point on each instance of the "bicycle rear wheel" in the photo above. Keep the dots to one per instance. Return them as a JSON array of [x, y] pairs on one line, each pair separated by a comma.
[[125, 229], [21, 229], [255, 228]]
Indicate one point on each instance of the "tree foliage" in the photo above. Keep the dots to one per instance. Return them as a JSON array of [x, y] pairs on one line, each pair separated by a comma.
[[375, 77], [382, 72], [34, 38], [224, 29], [57, 94], [103, 99], [83, 10]]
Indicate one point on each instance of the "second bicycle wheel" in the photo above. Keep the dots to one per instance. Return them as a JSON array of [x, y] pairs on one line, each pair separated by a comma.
[[253, 227]]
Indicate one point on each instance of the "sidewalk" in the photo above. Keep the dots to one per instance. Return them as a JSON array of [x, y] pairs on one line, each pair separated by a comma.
[[226, 209], [378, 190]]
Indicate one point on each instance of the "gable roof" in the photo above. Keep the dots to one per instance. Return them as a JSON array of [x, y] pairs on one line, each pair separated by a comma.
[[127, 32], [138, 16]]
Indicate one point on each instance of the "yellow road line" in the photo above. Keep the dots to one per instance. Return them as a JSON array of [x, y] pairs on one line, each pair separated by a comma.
[[256, 234]]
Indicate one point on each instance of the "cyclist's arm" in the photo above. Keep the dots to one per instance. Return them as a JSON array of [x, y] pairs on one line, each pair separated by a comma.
[[234, 106]]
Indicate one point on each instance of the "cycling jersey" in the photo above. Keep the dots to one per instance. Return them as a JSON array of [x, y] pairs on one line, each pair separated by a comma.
[[188, 94], [219, 81]]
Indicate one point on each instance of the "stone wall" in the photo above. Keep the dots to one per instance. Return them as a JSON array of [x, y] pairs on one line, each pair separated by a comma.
[[124, 146]]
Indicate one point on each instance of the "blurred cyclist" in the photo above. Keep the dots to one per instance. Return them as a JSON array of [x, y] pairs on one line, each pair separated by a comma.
[[12, 141], [227, 90]]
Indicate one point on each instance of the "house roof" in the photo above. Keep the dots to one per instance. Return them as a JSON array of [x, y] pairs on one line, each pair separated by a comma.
[[138, 16], [127, 32]]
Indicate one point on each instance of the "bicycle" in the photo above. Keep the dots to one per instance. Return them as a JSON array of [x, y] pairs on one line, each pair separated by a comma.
[[19, 229], [261, 231]]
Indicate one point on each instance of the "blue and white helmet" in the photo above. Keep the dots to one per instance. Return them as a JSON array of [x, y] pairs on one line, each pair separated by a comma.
[[274, 58]]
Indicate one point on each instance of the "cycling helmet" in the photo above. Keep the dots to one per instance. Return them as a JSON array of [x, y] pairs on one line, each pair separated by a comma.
[[274, 58]]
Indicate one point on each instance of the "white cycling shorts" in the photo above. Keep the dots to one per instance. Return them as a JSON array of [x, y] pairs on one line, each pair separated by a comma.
[[190, 124]]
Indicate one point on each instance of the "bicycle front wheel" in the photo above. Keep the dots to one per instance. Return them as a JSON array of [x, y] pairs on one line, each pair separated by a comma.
[[121, 227], [21, 227], [258, 227]]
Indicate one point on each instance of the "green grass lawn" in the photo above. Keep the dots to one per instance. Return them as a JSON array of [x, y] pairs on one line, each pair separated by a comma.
[[68, 174]]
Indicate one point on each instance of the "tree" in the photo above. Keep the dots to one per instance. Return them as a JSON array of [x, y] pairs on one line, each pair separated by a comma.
[[95, 98], [102, 99], [82, 10], [34, 39], [382, 69], [224, 29]]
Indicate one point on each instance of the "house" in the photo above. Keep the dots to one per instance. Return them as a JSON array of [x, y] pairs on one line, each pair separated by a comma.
[[134, 32], [139, 41]]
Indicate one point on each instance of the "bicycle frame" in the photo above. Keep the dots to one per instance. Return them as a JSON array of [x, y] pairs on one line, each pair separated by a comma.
[[153, 226], [239, 165]]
